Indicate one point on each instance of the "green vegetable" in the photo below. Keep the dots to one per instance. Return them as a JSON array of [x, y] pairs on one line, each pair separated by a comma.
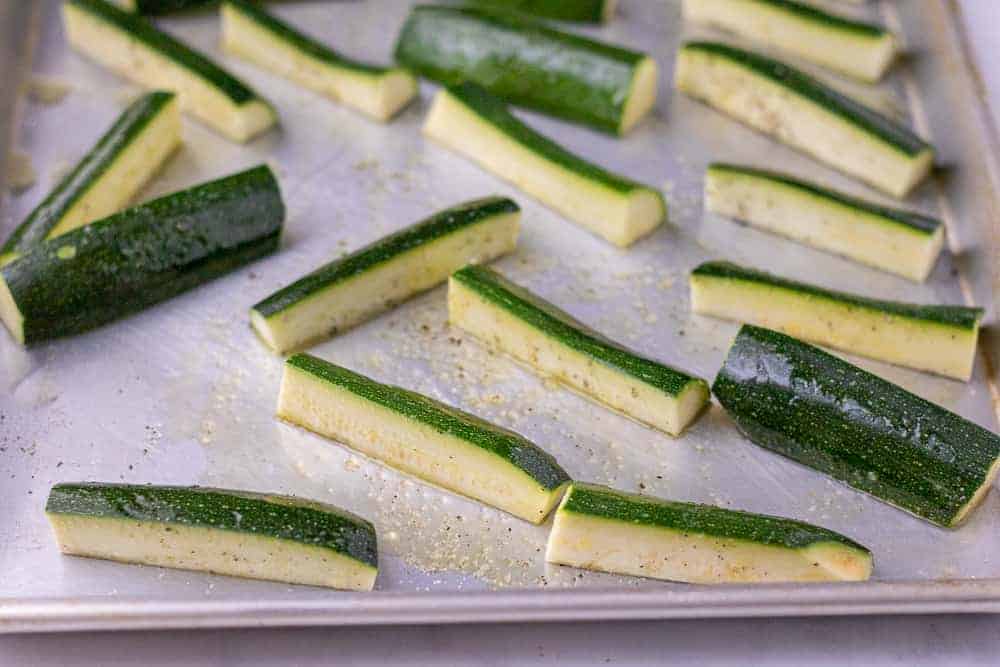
[[814, 408], [141, 256], [530, 65]]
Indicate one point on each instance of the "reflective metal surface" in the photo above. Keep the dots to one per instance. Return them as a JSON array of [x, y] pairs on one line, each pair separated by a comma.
[[185, 394]]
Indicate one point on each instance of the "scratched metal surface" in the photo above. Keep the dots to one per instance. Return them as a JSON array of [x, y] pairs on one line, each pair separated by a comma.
[[184, 393]]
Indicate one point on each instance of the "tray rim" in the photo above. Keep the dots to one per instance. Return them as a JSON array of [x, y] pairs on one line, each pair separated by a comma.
[[953, 596]]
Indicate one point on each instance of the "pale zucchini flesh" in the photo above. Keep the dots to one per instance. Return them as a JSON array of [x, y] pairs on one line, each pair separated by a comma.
[[233, 533], [468, 120], [899, 242], [800, 111], [858, 49], [132, 47], [939, 339], [422, 437], [353, 289], [535, 332], [108, 177], [602, 529], [254, 35]]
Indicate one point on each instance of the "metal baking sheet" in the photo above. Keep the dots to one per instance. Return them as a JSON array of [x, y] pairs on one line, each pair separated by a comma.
[[184, 393]]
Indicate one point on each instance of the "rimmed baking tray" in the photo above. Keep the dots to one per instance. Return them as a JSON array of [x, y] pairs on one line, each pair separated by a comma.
[[184, 394]]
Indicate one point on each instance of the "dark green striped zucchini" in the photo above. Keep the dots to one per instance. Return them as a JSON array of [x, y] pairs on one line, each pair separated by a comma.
[[107, 178], [583, 11], [141, 256], [422, 437], [602, 529], [940, 339], [237, 533], [158, 7], [823, 412], [259, 37], [801, 111], [474, 123], [530, 65], [131, 46], [858, 49], [352, 289], [537, 333]]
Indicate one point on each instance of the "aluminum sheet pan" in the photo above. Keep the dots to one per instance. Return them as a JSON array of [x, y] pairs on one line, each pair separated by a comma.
[[184, 394]]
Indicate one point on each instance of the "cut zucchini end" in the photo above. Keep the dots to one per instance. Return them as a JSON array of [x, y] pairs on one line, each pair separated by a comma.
[[689, 405], [268, 332], [881, 61], [247, 121], [920, 273], [841, 561], [396, 89], [609, 10], [198, 548], [10, 314], [642, 95], [916, 170], [978, 497], [646, 210]]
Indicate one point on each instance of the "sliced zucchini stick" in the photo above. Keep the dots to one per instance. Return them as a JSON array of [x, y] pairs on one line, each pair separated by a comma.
[[141, 256], [530, 65], [808, 405], [598, 528], [237, 533], [107, 178], [369, 281], [422, 437], [536, 332], [473, 123], [940, 339], [131, 46], [582, 11], [799, 110], [251, 33], [858, 49], [900, 242]]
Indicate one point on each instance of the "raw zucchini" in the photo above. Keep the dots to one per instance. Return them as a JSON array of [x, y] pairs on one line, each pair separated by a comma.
[[109, 175], [422, 437], [549, 340], [530, 65], [237, 533], [141, 256], [900, 242], [583, 11], [602, 529], [355, 288], [251, 33], [940, 339], [804, 113], [134, 48], [821, 411], [858, 49], [474, 123]]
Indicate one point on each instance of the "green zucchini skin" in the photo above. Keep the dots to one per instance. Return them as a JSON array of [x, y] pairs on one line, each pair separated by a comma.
[[142, 30], [278, 517], [522, 62], [507, 445], [962, 317], [116, 140], [917, 222], [582, 11], [874, 124], [560, 325], [144, 255], [603, 502], [386, 249], [806, 404], [833, 21], [160, 7]]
